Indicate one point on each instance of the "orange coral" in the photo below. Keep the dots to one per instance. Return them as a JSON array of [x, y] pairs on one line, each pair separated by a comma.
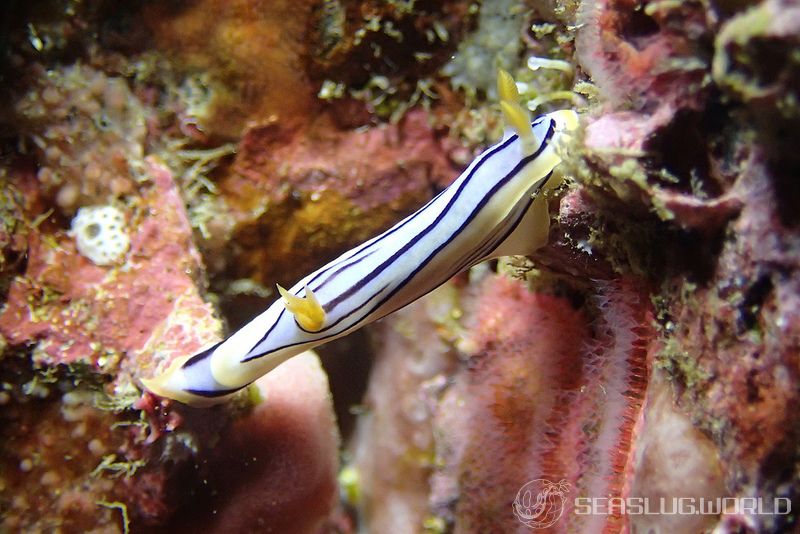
[[253, 51]]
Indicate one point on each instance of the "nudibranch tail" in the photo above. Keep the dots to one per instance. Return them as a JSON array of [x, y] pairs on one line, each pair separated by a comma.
[[308, 312], [173, 384], [191, 380]]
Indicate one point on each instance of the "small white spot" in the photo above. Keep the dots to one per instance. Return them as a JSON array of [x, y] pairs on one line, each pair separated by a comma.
[[99, 234]]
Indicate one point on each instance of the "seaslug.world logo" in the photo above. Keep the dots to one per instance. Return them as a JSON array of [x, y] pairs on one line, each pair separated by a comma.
[[540, 502]]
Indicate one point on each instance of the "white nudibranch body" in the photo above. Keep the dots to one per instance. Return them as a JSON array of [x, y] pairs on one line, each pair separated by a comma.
[[489, 211]]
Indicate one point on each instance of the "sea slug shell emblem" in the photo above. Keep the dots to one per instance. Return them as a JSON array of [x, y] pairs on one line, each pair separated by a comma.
[[539, 503]]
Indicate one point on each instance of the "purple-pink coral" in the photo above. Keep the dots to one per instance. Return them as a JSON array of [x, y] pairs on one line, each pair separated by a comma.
[[523, 386]]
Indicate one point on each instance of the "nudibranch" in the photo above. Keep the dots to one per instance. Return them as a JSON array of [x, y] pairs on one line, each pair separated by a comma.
[[491, 210]]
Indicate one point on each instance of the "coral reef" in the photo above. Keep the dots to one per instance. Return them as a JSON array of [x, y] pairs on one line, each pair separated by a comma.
[[162, 165], [682, 172], [70, 307], [76, 398], [302, 174], [101, 127], [558, 407], [92, 329], [251, 56], [693, 147], [88, 132]]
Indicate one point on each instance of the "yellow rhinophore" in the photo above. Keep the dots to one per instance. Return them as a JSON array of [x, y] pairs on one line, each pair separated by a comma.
[[506, 87], [307, 311], [516, 116]]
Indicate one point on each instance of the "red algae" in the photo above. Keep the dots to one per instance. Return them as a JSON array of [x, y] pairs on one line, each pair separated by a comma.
[[641, 56], [307, 172], [515, 383], [95, 330], [557, 400], [78, 308], [525, 387], [712, 158], [103, 326]]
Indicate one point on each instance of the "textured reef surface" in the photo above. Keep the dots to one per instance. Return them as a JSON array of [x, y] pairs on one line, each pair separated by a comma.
[[164, 164]]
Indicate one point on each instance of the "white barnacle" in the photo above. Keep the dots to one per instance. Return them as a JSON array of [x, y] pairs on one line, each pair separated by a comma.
[[100, 234]]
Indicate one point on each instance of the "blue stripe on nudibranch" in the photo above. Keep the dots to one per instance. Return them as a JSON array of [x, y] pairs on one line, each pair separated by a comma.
[[381, 241], [486, 212]]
